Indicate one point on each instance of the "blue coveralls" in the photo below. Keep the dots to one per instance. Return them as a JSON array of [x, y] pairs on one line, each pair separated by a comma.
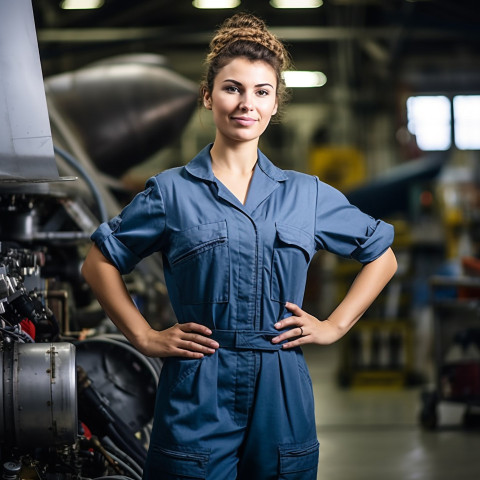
[[247, 410]]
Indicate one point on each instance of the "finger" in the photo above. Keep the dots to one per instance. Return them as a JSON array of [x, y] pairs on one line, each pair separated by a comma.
[[200, 340], [292, 333], [195, 347], [291, 321], [295, 309], [194, 327], [294, 343], [187, 354], [190, 350]]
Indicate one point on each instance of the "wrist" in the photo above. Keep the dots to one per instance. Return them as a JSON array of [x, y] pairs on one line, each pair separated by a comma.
[[141, 340], [337, 327]]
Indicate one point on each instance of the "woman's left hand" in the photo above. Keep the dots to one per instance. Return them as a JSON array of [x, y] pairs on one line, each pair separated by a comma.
[[304, 328]]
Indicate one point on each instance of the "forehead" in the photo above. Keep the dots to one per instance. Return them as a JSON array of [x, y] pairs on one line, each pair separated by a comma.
[[247, 71]]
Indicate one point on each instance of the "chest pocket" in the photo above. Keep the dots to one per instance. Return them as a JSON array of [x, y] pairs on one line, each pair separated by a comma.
[[200, 263], [292, 253]]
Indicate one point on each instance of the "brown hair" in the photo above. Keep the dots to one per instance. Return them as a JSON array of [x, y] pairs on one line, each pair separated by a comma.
[[245, 35]]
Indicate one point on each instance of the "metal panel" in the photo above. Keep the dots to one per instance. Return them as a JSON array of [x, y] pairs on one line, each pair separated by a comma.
[[26, 147]]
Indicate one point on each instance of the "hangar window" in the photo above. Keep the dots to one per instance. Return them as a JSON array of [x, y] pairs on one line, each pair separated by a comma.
[[429, 119], [466, 112]]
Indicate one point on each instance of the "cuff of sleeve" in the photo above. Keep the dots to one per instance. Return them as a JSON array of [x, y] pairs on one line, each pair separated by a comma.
[[377, 243], [114, 250]]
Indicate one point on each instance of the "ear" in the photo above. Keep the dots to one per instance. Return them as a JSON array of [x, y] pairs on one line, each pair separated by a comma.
[[207, 100], [275, 109]]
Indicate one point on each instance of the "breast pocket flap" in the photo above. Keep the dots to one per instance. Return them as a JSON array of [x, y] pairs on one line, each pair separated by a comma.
[[189, 242], [296, 237]]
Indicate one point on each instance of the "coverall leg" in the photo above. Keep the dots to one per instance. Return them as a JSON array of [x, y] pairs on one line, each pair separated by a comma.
[[238, 414]]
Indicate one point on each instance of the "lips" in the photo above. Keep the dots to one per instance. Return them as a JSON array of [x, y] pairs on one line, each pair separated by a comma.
[[245, 121]]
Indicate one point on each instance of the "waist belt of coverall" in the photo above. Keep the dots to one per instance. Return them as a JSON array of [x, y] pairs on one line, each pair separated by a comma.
[[246, 339]]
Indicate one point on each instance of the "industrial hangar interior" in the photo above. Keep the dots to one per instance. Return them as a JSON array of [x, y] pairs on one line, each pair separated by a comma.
[[392, 120]]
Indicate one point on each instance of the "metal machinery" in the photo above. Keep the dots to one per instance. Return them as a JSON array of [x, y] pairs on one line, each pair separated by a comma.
[[76, 399]]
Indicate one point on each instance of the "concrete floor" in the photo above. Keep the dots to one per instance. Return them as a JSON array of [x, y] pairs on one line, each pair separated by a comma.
[[374, 434]]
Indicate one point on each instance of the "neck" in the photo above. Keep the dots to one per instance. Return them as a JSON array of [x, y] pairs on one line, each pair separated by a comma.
[[239, 158]]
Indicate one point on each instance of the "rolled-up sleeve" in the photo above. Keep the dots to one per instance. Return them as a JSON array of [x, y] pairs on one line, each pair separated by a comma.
[[136, 232], [343, 229]]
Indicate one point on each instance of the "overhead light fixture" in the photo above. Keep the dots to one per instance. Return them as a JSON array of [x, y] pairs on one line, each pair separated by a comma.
[[304, 79], [81, 4], [216, 3], [296, 3]]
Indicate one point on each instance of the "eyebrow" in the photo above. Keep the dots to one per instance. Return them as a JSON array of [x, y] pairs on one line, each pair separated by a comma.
[[240, 84]]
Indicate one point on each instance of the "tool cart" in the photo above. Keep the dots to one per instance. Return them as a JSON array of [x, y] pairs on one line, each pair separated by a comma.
[[456, 316]]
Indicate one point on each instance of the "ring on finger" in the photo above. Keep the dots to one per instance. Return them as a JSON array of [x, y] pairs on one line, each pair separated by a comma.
[[301, 331]]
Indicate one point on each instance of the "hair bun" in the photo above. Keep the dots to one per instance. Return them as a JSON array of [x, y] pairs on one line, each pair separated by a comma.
[[246, 27], [244, 20]]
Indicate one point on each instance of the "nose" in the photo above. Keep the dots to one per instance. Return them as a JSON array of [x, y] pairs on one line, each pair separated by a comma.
[[246, 103]]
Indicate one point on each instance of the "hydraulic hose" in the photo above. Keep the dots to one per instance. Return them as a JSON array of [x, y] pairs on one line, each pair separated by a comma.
[[93, 187]]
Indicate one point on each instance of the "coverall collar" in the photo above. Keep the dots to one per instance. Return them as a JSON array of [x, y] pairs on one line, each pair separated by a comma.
[[266, 178], [201, 166]]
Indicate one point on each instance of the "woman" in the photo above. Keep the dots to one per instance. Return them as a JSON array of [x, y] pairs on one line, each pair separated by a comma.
[[237, 235]]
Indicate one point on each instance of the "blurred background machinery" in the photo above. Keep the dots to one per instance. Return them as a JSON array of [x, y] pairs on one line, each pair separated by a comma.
[[77, 399]]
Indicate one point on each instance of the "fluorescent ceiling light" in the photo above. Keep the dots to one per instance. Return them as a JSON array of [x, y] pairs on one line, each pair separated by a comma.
[[216, 3], [304, 79], [296, 3], [81, 4]]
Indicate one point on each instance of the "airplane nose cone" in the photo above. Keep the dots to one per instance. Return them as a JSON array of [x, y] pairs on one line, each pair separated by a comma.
[[124, 109]]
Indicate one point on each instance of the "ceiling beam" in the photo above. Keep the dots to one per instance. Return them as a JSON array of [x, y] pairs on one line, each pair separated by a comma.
[[167, 35]]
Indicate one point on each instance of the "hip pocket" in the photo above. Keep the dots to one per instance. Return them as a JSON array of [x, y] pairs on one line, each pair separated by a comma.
[[303, 369], [291, 256], [176, 463], [179, 374], [299, 461], [199, 259]]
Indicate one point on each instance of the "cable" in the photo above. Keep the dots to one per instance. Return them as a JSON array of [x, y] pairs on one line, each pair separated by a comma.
[[124, 466], [119, 428], [79, 168], [21, 335], [94, 411], [126, 445], [120, 453], [26, 336]]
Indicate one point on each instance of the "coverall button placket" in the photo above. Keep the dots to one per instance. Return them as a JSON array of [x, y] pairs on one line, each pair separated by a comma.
[[248, 300]]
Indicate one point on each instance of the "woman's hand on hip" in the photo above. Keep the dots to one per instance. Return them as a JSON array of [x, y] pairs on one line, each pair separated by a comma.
[[188, 340], [304, 328]]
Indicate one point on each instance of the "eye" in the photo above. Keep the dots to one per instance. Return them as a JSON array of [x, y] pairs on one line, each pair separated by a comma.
[[231, 89], [263, 93]]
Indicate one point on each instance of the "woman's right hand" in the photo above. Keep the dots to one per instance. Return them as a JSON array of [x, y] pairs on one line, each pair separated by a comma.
[[182, 340], [188, 340]]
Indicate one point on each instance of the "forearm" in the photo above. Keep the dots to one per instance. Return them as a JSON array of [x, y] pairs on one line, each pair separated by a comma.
[[370, 281], [109, 288]]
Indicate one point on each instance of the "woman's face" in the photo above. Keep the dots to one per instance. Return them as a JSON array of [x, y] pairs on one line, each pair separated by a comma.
[[243, 99]]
